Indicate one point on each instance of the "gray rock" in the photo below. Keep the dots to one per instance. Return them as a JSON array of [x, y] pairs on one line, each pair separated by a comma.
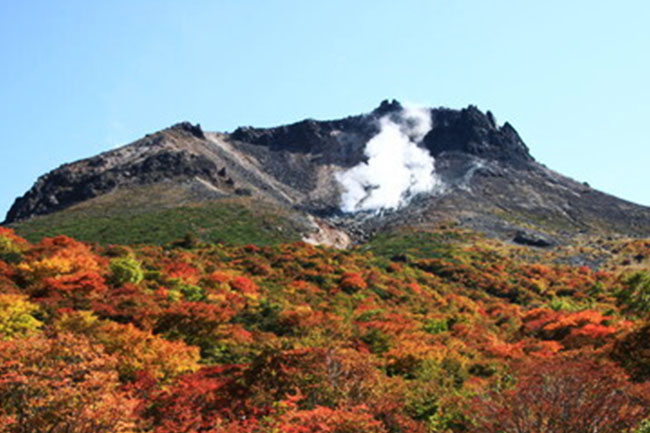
[[533, 239]]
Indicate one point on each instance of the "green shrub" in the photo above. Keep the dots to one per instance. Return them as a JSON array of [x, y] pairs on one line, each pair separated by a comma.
[[125, 270], [436, 326], [563, 303], [644, 427], [264, 317], [636, 295], [192, 293], [377, 341]]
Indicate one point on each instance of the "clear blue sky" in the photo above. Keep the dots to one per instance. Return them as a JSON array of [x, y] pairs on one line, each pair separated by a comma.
[[80, 77]]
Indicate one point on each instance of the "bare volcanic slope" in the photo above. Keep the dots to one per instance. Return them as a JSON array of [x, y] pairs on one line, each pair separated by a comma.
[[395, 167]]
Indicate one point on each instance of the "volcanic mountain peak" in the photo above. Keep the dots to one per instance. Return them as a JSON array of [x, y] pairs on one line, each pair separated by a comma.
[[395, 166], [468, 130]]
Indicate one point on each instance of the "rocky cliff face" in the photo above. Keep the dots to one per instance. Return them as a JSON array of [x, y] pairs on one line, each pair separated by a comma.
[[472, 132], [155, 158], [485, 176]]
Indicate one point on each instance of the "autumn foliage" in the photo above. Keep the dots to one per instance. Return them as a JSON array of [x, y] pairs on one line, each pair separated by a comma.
[[302, 339], [566, 396]]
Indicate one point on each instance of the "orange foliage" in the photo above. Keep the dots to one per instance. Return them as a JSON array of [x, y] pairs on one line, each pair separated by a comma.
[[299, 339], [61, 384], [351, 419], [352, 282], [573, 329]]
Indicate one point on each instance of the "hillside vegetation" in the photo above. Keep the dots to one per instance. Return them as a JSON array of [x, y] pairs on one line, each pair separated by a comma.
[[436, 332], [103, 220]]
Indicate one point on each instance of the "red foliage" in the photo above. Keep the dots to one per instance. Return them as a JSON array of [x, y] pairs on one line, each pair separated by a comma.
[[183, 271], [210, 400], [130, 304], [352, 282], [564, 396], [194, 319], [244, 285], [9, 234], [574, 329]]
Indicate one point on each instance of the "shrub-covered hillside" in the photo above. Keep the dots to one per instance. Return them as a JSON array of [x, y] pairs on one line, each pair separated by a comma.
[[450, 337]]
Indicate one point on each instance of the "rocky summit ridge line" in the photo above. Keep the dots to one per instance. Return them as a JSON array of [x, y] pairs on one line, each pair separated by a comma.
[[486, 178]]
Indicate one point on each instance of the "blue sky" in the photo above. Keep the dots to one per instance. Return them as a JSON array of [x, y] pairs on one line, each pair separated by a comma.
[[80, 77]]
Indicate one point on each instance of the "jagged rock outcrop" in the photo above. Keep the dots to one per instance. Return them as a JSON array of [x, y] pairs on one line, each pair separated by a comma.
[[476, 133], [194, 130]]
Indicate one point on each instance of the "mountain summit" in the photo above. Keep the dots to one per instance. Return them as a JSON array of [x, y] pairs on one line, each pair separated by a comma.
[[397, 166]]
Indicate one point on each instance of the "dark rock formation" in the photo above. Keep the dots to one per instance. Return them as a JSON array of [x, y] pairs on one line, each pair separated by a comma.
[[387, 107], [194, 130], [66, 186], [306, 136], [532, 239], [473, 132]]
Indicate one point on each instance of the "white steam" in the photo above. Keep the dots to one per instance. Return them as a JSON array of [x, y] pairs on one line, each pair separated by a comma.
[[396, 169]]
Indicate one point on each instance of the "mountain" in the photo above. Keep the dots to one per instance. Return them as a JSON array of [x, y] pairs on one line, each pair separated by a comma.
[[331, 182], [199, 315]]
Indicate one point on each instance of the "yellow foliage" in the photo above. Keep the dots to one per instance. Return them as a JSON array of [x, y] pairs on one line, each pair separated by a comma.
[[16, 319], [65, 260], [7, 246], [135, 349], [10, 243]]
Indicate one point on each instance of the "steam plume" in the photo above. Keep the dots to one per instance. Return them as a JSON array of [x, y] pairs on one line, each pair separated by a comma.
[[396, 169]]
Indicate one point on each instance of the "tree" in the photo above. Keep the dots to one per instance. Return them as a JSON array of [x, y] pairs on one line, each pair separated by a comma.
[[322, 419], [125, 270], [565, 396], [16, 317], [11, 246], [135, 350], [633, 353], [636, 295], [210, 400], [63, 273], [63, 384]]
